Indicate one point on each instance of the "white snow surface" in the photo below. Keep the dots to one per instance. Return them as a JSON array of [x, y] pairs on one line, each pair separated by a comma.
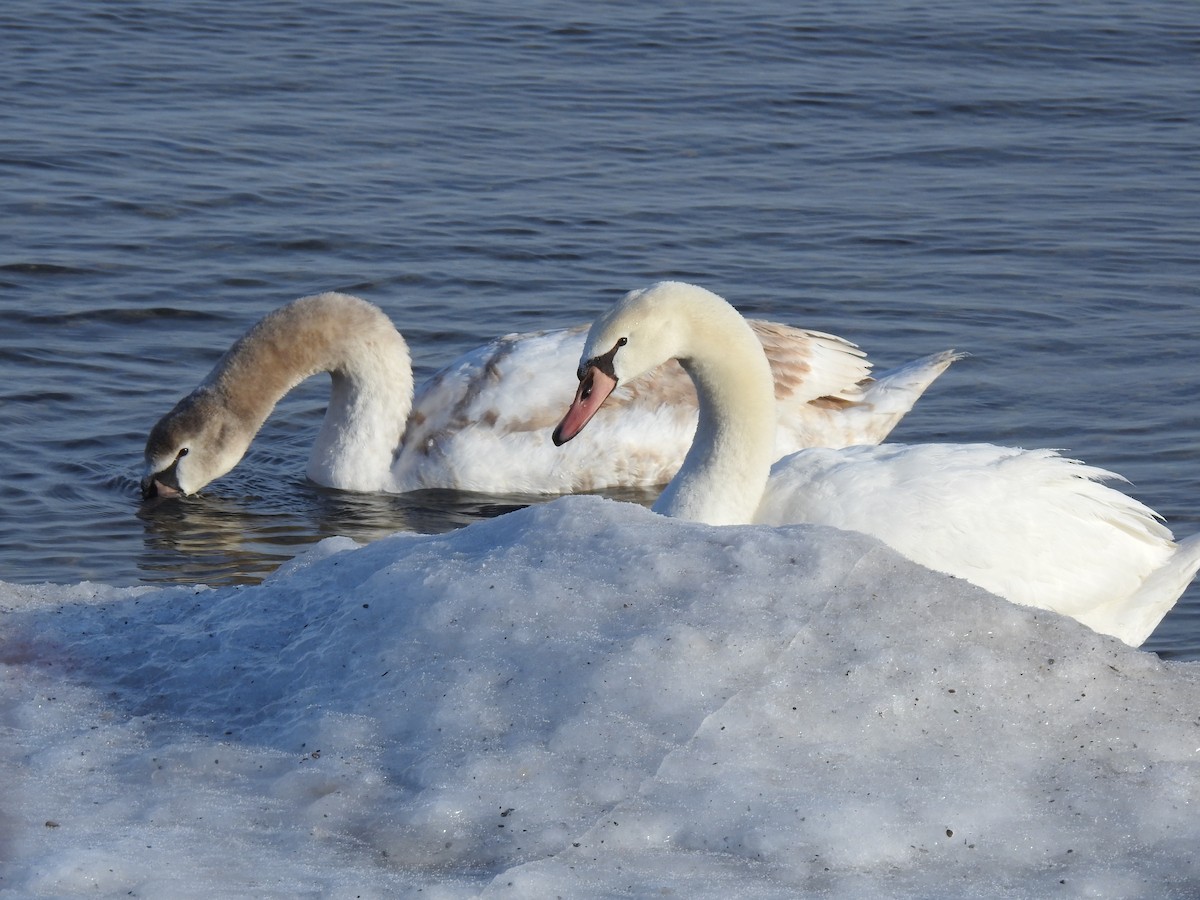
[[584, 699]]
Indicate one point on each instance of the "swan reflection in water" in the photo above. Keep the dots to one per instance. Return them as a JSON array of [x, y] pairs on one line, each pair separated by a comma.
[[218, 540]]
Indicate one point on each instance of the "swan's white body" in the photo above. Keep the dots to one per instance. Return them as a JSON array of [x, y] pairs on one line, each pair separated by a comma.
[[481, 423], [1032, 526]]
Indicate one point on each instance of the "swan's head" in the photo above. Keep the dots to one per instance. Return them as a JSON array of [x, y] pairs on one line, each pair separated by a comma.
[[195, 443], [641, 332]]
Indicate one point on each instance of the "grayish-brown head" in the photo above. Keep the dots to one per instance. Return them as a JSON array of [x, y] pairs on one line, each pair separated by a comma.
[[196, 442]]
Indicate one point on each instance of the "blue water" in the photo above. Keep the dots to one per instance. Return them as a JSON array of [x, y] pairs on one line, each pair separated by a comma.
[[1020, 181]]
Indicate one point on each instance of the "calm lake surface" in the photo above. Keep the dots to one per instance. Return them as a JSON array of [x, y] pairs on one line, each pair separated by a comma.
[[1020, 181]]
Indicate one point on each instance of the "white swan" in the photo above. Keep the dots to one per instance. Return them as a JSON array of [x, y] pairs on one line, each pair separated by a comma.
[[1031, 526], [481, 423]]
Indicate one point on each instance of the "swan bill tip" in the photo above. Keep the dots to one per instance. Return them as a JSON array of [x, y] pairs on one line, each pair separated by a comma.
[[594, 388], [155, 489]]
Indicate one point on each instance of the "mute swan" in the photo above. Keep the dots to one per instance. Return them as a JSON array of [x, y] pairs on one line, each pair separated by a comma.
[[480, 424], [1031, 526]]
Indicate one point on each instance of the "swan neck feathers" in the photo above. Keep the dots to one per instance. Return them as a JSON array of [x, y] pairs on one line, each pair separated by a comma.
[[331, 332]]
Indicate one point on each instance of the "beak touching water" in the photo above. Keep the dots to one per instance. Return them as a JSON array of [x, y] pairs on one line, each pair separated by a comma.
[[594, 388], [153, 487], [162, 484]]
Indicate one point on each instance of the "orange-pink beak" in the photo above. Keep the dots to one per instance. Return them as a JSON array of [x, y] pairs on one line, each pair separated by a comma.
[[594, 388]]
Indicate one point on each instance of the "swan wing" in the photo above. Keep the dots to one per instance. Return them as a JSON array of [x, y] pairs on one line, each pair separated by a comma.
[[1030, 525]]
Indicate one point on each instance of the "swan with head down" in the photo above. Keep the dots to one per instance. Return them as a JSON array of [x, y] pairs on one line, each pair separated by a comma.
[[480, 424], [1031, 526]]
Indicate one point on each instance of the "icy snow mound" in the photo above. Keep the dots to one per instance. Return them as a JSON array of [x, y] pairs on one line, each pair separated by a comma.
[[584, 699]]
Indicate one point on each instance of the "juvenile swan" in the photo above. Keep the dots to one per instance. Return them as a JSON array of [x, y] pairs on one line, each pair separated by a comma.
[[1031, 526], [481, 423]]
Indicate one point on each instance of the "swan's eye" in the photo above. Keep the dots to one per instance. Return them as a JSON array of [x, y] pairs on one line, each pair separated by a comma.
[[183, 451], [621, 342]]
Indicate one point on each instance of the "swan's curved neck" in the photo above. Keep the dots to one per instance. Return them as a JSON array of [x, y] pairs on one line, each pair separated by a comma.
[[372, 388], [723, 476]]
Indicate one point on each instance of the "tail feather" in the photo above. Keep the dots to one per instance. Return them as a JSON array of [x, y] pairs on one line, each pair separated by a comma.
[[888, 397], [895, 391], [1139, 614]]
